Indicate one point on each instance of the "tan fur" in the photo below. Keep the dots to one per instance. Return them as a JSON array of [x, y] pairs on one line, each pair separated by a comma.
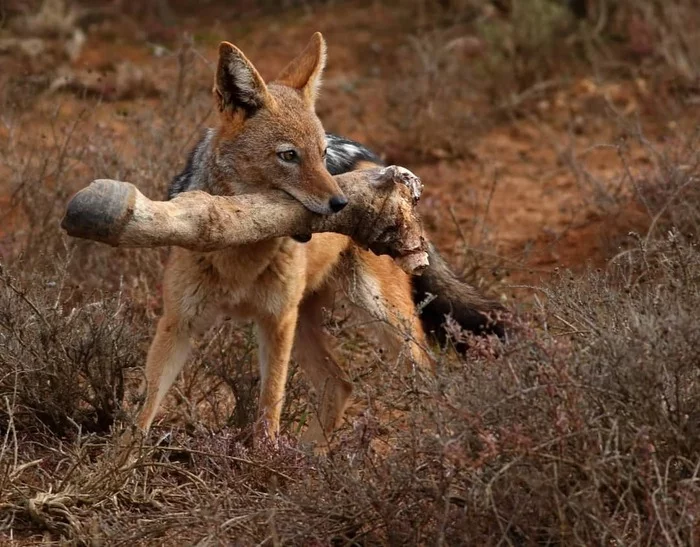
[[306, 68], [281, 285]]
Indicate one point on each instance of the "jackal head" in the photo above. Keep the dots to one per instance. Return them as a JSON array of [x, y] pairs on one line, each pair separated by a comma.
[[269, 135]]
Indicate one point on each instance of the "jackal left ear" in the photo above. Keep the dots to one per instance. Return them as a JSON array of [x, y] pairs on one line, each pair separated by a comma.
[[238, 85], [304, 72]]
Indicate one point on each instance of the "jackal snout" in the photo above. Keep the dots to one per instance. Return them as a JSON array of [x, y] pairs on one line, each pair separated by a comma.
[[338, 203], [316, 189], [328, 206], [327, 185]]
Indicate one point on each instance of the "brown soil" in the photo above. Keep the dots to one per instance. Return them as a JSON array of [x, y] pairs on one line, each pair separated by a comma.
[[516, 194]]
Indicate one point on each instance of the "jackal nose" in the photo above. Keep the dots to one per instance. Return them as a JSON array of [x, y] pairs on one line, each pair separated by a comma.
[[337, 203]]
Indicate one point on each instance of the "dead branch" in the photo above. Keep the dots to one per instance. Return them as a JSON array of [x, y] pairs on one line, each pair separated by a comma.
[[380, 216]]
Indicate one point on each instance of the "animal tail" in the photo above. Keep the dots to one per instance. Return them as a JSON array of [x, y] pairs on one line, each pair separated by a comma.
[[446, 295]]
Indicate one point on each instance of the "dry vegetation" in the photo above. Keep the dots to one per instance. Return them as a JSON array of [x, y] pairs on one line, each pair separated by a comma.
[[583, 428]]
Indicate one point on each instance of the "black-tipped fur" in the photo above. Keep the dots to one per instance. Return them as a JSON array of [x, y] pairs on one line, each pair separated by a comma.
[[181, 182], [194, 175], [446, 295], [344, 154]]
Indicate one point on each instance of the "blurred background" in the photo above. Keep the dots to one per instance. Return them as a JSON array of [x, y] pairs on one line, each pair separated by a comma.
[[514, 112], [558, 144]]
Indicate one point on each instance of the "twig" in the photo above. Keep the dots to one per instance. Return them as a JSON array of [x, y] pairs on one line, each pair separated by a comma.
[[226, 457]]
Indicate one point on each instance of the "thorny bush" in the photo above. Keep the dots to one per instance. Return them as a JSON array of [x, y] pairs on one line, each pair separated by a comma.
[[581, 429]]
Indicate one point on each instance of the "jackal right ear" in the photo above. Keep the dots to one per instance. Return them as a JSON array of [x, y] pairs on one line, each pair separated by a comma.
[[238, 85], [304, 72]]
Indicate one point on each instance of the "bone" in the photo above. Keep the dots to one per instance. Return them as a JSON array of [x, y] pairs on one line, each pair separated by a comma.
[[380, 216]]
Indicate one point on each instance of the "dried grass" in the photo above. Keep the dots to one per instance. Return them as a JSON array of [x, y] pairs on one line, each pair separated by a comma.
[[581, 430]]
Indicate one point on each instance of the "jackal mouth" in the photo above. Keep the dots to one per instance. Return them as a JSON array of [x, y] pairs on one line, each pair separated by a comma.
[[302, 238], [318, 207]]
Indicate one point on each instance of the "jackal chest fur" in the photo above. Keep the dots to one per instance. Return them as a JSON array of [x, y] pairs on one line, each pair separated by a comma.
[[243, 282]]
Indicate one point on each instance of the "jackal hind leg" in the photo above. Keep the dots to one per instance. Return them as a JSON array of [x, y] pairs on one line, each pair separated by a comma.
[[312, 350], [378, 287]]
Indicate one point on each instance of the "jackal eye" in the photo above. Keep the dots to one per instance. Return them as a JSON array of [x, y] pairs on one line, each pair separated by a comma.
[[325, 152], [290, 156]]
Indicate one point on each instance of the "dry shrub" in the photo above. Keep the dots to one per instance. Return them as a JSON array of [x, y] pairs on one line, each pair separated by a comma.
[[671, 193], [526, 47], [67, 305], [464, 59], [220, 386], [466, 64], [61, 367], [664, 33], [431, 80], [433, 87], [582, 430]]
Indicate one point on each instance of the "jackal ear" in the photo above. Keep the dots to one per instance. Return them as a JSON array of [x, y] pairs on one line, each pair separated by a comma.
[[304, 72], [238, 85]]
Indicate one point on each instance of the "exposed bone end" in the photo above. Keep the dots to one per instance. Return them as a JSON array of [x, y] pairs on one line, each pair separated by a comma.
[[395, 174], [413, 263], [100, 211]]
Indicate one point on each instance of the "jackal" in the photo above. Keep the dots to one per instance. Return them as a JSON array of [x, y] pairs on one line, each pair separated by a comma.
[[268, 136]]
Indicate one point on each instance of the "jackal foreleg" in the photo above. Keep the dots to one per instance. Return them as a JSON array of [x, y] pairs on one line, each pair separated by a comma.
[[275, 339]]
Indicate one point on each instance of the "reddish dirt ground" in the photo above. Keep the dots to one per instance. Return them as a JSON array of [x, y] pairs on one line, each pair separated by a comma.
[[517, 195]]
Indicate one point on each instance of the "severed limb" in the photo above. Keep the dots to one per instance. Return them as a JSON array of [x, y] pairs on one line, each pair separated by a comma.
[[380, 216]]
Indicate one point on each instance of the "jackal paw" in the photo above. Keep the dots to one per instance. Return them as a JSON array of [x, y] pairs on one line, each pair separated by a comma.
[[315, 440], [395, 174]]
